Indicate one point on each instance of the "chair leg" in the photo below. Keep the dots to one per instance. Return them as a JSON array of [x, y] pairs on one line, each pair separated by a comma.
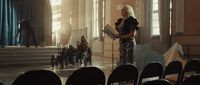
[[52, 61]]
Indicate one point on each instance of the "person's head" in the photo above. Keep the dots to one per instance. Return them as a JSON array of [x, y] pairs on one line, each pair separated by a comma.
[[82, 38], [127, 11]]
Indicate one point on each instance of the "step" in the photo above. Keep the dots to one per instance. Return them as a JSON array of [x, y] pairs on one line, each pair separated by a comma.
[[17, 60], [26, 64], [21, 56]]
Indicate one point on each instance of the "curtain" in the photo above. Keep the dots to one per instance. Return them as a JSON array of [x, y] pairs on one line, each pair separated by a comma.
[[178, 15], [148, 20], [143, 12], [139, 13], [8, 23], [164, 20], [101, 18], [38, 12], [88, 20]]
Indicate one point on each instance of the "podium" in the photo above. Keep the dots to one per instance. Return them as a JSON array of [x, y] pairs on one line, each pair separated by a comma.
[[113, 53], [111, 34]]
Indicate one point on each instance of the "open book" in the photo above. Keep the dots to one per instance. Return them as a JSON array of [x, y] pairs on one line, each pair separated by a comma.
[[109, 31]]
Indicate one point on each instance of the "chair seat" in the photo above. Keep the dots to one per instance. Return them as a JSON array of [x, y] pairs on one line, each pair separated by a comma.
[[149, 79], [172, 79]]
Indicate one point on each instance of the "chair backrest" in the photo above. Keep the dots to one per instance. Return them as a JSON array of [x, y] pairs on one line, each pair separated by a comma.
[[151, 70], [87, 76], [191, 66], [174, 67], [1, 83], [157, 82], [37, 77], [123, 73], [192, 80]]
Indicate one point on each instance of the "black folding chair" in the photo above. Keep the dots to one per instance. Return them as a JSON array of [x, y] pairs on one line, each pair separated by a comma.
[[1, 83], [123, 73], [157, 82], [174, 67], [87, 76], [151, 70], [191, 67], [192, 80], [38, 77]]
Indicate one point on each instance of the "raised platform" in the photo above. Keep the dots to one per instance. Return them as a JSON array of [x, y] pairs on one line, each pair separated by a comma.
[[26, 56]]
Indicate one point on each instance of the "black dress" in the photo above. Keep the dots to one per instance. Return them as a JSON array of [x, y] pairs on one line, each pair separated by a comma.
[[128, 45]]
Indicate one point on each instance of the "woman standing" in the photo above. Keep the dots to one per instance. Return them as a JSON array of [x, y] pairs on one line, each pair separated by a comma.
[[127, 27]]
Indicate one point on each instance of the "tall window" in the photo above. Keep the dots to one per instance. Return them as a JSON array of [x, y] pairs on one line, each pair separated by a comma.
[[155, 19], [103, 13], [56, 22], [170, 30], [95, 19]]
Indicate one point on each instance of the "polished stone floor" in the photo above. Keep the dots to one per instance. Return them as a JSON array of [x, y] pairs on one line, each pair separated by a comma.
[[7, 75]]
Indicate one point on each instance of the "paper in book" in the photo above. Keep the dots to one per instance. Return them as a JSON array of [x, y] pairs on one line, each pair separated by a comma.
[[109, 31]]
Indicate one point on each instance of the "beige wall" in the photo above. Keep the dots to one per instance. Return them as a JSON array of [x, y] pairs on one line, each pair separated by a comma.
[[192, 17], [191, 34]]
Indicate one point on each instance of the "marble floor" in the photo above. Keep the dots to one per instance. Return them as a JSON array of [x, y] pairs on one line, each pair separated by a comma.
[[7, 75]]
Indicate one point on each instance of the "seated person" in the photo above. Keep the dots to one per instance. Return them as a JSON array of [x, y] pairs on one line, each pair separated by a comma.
[[71, 55], [85, 55], [60, 58], [78, 52]]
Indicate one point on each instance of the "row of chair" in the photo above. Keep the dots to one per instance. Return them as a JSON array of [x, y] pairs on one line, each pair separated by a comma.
[[95, 76], [192, 80], [130, 73], [174, 67]]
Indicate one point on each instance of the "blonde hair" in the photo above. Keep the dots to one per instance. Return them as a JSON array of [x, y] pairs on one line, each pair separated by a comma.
[[130, 10]]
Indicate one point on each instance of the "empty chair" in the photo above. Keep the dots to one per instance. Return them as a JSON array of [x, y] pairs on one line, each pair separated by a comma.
[[174, 67], [191, 67], [123, 73], [157, 82], [151, 70], [38, 77], [192, 80], [87, 76]]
